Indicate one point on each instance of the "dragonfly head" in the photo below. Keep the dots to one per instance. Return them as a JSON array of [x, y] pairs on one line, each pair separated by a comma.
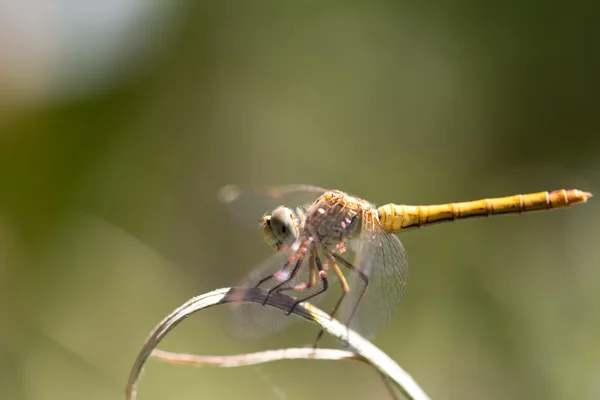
[[280, 228]]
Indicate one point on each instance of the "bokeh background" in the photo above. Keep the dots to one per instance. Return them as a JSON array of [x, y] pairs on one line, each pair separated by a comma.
[[120, 119]]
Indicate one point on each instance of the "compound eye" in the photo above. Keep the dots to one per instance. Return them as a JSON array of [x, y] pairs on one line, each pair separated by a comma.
[[284, 225]]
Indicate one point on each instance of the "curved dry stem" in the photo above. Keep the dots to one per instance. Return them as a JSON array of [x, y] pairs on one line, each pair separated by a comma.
[[362, 347], [261, 357], [240, 360]]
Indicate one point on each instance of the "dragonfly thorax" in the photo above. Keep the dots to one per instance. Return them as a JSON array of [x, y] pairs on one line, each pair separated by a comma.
[[335, 217]]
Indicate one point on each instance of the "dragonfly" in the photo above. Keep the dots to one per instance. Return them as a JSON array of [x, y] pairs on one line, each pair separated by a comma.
[[322, 236]]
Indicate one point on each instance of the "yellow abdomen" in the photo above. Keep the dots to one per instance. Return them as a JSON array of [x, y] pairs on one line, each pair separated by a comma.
[[396, 217]]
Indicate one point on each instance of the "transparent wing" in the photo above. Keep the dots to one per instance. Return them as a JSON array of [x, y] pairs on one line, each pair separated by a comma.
[[381, 258], [247, 206], [288, 271]]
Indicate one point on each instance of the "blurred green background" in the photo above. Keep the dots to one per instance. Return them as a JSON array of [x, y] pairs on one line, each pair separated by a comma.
[[120, 119]]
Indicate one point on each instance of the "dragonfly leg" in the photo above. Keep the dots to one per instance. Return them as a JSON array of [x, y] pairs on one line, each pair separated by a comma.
[[322, 275], [268, 278], [361, 275], [343, 283], [312, 280], [272, 276], [278, 288], [237, 291], [345, 290]]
